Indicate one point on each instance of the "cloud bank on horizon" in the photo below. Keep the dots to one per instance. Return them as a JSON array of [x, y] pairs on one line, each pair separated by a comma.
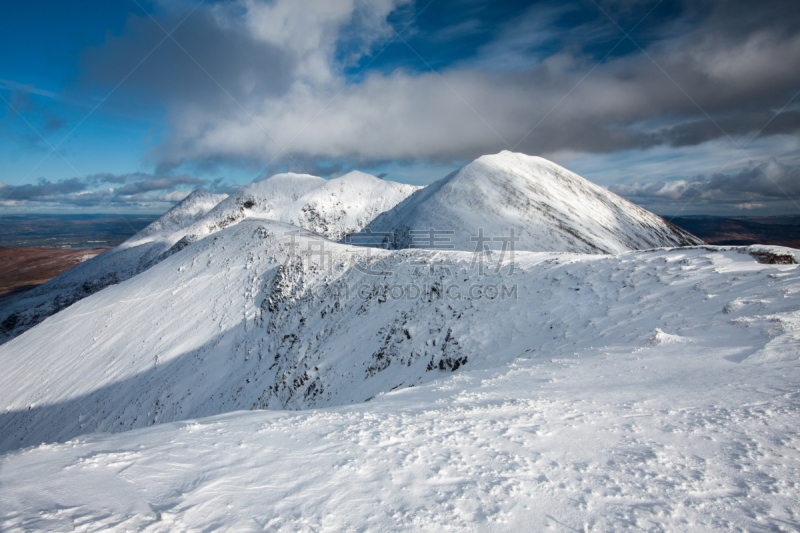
[[670, 104], [121, 190]]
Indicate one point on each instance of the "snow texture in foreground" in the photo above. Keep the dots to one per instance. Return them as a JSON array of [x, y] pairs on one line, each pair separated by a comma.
[[610, 433], [550, 208]]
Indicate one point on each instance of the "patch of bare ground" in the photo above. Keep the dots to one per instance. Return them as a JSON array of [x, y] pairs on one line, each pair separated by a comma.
[[22, 269]]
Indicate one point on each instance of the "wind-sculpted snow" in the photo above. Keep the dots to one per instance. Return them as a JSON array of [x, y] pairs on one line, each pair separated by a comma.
[[264, 315], [654, 437], [549, 208]]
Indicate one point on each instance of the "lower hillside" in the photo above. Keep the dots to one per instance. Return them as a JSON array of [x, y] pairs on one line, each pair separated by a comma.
[[263, 315]]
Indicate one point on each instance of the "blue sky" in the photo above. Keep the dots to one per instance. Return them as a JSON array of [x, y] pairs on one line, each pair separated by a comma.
[[126, 105]]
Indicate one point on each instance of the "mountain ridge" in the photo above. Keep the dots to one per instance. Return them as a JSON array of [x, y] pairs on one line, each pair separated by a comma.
[[240, 320], [548, 207], [333, 208]]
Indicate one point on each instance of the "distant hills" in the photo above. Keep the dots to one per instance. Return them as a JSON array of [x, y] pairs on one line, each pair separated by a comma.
[[781, 231]]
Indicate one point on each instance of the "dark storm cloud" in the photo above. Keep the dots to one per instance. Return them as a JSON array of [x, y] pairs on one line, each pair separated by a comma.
[[227, 55]]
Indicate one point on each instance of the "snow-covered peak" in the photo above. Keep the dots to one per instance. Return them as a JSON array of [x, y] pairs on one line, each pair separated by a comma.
[[185, 212], [346, 204], [261, 196], [286, 185], [333, 208], [357, 176], [549, 208]]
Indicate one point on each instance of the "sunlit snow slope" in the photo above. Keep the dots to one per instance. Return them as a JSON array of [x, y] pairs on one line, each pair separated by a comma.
[[333, 208], [239, 321], [549, 208], [22, 312]]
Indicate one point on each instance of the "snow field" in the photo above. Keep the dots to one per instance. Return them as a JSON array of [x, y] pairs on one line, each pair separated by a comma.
[[663, 439]]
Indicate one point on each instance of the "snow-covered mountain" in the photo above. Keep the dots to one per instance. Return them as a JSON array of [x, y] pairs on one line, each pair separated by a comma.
[[186, 212], [241, 320], [22, 312], [584, 391], [333, 208], [548, 207]]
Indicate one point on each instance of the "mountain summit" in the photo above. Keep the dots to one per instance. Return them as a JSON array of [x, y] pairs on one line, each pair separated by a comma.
[[549, 208], [331, 208]]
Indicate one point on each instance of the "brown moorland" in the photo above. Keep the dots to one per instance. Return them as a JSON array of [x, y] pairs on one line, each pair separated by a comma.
[[22, 269]]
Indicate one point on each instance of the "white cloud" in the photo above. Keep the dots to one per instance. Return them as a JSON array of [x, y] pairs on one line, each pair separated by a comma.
[[310, 30], [466, 113], [298, 94]]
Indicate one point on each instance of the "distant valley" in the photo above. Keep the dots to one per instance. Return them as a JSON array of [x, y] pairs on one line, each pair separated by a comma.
[[69, 231], [741, 231]]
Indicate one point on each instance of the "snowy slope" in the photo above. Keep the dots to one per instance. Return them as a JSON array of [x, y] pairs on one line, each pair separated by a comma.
[[186, 212], [645, 390], [22, 312], [236, 321], [631, 436], [550, 208], [332, 208]]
